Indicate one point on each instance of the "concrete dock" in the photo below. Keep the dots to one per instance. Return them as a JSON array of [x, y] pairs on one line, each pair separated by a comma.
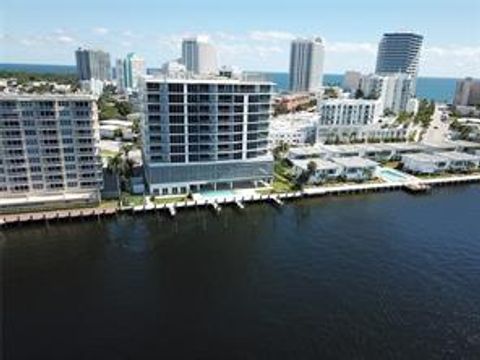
[[419, 185]]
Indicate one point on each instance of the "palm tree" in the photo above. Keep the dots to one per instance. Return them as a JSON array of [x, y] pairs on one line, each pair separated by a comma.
[[126, 148], [115, 163]]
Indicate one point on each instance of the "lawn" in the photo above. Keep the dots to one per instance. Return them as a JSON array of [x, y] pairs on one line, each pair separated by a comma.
[[170, 199]]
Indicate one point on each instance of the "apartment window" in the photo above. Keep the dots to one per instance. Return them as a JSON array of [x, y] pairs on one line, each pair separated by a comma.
[[175, 87], [177, 158]]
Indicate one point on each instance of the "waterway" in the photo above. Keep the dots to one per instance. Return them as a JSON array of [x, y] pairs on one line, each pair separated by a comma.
[[375, 276]]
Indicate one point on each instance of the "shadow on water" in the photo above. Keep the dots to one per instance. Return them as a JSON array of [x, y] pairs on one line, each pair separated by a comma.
[[364, 276]]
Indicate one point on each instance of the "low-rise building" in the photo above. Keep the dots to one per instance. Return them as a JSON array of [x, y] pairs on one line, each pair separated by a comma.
[[323, 170], [359, 133], [306, 152], [292, 129], [460, 161], [424, 163], [400, 149], [291, 102], [110, 129], [337, 112], [355, 168]]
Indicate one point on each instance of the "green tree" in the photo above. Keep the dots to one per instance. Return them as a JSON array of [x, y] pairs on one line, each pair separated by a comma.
[[359, 94]]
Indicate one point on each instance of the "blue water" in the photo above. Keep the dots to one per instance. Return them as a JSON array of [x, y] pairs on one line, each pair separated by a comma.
[[438, 89], [392, 175]]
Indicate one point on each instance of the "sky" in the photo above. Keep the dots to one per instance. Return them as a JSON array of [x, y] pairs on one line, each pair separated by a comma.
[[250, 34]]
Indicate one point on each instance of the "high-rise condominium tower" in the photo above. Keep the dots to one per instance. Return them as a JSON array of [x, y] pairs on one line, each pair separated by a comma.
[[93, 64], [49, 149], [399, 53], [306, 65], [199, 56], [205, 134], [129, 71]]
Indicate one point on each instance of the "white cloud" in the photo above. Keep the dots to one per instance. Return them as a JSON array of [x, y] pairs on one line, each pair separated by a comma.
[[271, 35], [254, 50], [350, 47], [100, 30], [65, 39]]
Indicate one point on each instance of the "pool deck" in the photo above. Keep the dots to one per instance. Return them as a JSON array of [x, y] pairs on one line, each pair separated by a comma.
[[414, 185]]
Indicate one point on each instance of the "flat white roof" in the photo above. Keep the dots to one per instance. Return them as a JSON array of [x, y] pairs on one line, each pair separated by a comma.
[[116, 122], [425, 157], [321, 164], [354, 161], [459, 156], [466, 144], [207, 80], [306, 151], [406, 146], [342, 148], [39, 97]]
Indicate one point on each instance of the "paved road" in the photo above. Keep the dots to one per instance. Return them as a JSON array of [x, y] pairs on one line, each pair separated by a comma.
[[438, 130]]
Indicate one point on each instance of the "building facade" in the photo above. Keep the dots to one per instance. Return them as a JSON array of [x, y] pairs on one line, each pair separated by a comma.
[[129, 71], [351, 81], [199, 56], [341, 112], [49, 148], [467, 92], [393, 90], [205, 134], [93, 64], [306, 65], [293, 129], [399, 53]]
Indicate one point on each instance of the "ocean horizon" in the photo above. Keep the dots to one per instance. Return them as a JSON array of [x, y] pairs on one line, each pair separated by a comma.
[[433, 88]]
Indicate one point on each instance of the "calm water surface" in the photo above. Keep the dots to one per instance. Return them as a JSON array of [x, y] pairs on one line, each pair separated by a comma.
[[381, 276]]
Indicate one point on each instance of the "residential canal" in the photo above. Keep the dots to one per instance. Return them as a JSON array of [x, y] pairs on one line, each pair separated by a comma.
[[375, 276]]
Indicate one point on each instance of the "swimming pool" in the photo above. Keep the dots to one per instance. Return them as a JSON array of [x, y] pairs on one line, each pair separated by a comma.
[[217, 194], [392, 175]]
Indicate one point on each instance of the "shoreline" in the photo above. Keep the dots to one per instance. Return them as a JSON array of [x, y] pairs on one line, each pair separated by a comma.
[[420, 186]]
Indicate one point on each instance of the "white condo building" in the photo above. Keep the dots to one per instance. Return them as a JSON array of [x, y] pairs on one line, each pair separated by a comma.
[[351, 81], [467, 92], [399, 52], [293, 129], [199, 56], [346, 112], [205, 133], [48, 150], [393, 90], [306, 65], [129, 71]]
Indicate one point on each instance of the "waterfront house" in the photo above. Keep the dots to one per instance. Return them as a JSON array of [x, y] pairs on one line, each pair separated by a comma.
[[324, 170], [306, 152], [424, 163], [400, 149], [461, 162], [356, 168]]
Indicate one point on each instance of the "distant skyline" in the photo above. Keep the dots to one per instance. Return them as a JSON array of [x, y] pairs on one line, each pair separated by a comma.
[[252, 35]]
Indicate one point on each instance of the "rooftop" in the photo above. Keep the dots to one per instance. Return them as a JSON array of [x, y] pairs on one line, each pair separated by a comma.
[[305, 152], [354, 161], [425, 157], [407, 146], [320, 163], [206, 79], [36, 97], [459, 156]]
